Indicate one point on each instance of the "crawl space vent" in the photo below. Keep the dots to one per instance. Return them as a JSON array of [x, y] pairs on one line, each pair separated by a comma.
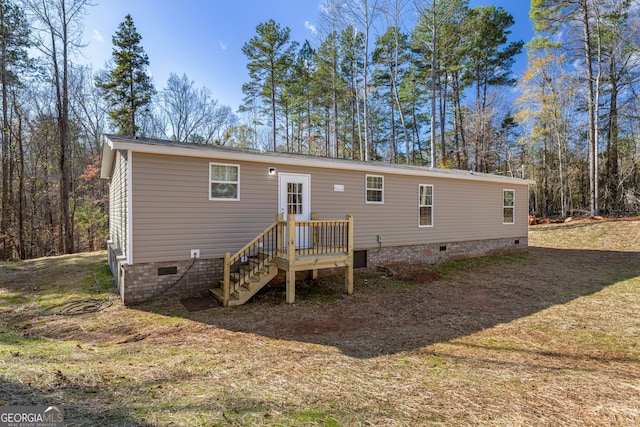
[[167, 271]]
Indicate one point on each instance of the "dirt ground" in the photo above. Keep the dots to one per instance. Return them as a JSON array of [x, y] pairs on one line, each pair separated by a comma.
[[416, 309], [550, 336], [419, 306]]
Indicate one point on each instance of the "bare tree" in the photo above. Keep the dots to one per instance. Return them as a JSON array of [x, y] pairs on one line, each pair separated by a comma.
[[14, 42], [583, 17], [88, 107], [223, 124], [193, 114], [58, 26]]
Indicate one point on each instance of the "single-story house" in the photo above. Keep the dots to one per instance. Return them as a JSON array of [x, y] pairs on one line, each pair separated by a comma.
[[181, 214]]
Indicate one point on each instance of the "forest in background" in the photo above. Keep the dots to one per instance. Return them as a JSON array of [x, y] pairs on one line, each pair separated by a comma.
[[415, 82]]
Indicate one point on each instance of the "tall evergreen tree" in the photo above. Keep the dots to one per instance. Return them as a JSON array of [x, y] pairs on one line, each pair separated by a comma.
[[358, 17], [619, 42], [329, 85], [350, 50], [303, 96], [489, 63], [391, 57], [270, 53], [440, 56], [127, 87]]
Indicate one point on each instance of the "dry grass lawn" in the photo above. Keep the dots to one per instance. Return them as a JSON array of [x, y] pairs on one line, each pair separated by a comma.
[[550, 337]]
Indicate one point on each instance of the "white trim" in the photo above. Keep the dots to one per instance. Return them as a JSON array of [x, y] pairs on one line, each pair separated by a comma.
[[108, 157], [302, 239], [224, 199], [432, 206], [222, 153], [129, 207], [306, 196], [513, 207], [366, 189]]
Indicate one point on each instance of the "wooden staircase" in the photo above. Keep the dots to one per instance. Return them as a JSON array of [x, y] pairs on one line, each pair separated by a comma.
[[329, 244], [252, 277]]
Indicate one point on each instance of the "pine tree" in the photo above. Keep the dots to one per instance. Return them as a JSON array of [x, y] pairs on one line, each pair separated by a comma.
[[350, 48], [303, 96], [329, 86], [440, 51], [391, 58], [127, 87], [489, 62], [270, 54]]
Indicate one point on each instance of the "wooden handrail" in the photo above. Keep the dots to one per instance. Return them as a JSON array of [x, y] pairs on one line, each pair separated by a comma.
[[323, 236], [291, 238], [246, 247], [349, 275], [226, 279], [230, 260], [321, 223], [326, 237]]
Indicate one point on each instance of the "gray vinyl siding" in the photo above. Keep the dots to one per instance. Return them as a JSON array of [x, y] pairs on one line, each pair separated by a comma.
[[172, 213], [462, 210], [118, 203]]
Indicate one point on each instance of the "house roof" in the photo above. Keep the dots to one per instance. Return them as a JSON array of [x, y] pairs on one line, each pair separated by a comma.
[[113, 143]]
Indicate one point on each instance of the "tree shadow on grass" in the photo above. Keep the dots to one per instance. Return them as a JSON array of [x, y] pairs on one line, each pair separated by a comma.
[[77, 409], [86, 408], [390, 315]]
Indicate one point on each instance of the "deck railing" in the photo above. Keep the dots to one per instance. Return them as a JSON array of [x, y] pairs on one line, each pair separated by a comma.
[[254, 256], [314, 237], [291, 239]]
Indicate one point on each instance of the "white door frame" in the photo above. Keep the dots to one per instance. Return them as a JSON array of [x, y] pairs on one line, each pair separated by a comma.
[[284, 179]]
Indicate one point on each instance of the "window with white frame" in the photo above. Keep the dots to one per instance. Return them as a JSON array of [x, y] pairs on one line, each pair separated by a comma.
[[425, 205], [508, 206], [224, 181], [375, 189]]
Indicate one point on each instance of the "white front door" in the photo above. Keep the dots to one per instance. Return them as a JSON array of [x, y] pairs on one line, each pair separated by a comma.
[[295, 198]]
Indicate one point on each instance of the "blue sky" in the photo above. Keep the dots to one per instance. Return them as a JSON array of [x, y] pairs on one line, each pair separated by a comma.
[[204, 38]]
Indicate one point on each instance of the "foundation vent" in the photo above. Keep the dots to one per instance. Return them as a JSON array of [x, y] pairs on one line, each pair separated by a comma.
[[167, 271]]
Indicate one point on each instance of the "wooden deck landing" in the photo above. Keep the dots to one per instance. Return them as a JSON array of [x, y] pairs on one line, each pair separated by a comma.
[[329, 245]]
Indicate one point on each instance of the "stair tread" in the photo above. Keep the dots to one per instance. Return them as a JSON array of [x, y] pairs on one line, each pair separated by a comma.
[[218, 292], [243, 287]]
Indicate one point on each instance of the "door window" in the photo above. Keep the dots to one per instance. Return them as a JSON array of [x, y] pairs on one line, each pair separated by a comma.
[[294, 198]]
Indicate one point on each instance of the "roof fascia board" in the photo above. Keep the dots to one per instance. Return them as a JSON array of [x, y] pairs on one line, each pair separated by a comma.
[[108, 155], [320, 163]]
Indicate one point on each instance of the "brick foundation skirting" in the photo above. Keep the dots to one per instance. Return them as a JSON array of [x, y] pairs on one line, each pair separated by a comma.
[[441, 252], [141, 282]]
